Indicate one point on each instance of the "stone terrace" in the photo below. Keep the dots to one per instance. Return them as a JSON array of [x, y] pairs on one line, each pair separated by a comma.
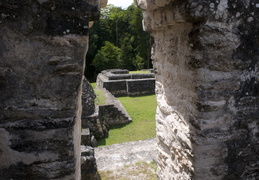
[[120, 83]]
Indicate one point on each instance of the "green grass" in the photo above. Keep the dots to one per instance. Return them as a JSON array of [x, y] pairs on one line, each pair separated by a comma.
[[100, 95], [138, 72], [93, 85], [142, 110]]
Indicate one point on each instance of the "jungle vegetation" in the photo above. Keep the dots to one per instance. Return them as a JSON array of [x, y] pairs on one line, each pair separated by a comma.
[[117, 40]]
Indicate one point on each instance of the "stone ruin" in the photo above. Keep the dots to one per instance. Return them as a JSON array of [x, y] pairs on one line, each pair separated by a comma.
[[43, 44], [120, 83], [205, 54], [98, 120]]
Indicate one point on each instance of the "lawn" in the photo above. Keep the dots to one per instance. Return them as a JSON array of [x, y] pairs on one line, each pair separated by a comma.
[[100, 96], [142, 110], [138, 72]]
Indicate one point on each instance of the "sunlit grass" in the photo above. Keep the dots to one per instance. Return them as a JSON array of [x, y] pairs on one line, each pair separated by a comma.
[[100, 95], [138, 72], [142, 110]]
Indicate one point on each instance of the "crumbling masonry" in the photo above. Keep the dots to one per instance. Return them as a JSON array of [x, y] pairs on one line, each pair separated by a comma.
[[206, 54], [206, 57], [43, 44]]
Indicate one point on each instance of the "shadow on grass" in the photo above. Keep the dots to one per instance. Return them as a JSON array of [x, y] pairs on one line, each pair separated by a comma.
[[102, 142], [119, 126]]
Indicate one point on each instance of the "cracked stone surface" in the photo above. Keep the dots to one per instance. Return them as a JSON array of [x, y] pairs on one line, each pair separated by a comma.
[[115, 156]]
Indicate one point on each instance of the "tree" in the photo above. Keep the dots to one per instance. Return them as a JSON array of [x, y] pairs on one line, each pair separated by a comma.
[[138, 62], [123, 29], [108, 57]]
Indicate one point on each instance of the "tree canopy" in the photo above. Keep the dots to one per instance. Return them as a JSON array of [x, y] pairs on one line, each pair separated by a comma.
[[117, 40]]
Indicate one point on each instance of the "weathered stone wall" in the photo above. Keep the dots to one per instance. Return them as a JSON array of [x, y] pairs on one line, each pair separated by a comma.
[[126, 84], [110, 99], [88, 164], [112, 115], [97, 127], [42, 49], [105, 116], [206, 55], [88, 97]]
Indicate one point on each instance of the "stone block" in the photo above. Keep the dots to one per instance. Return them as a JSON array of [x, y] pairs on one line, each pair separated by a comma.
[[141, 87], [86, 137], [205, 56], [88, 164], [42, 51], [122, 84]]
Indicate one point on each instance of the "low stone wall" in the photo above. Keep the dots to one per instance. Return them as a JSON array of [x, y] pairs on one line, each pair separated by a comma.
[[141, 87], [116, 87], [110, 99], [97, 126], [112, 115], [126, 84], [111, 76], [117, 71]]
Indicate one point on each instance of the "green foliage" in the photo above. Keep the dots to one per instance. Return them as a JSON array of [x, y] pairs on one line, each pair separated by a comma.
[[138, 62], [109, 57], [143, 121], [123, 29]]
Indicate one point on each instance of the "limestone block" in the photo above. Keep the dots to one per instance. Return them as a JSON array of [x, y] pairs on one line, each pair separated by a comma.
[[86, 137], [96, 125], [88, 98], [88, 164], [205, 55], [42, 49], [121, 83], [153, 4]]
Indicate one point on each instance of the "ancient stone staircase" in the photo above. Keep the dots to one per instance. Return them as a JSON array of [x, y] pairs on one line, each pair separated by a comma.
[[112, 115], [106, 116], [111, 100]]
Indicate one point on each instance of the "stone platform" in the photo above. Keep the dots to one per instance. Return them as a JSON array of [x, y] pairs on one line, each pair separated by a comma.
[[120, 83]]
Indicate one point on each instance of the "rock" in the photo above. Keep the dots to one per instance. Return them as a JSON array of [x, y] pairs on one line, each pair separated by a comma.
[[94, 142], [205, 55], [88, 164], [88, 98], [86, 137], [113, 157], [42, 51]]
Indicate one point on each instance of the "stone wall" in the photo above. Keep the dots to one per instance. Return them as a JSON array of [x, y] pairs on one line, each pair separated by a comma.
[[121, 111], [120, 83], [42, 49], [112, 115], [88, 97], [88, 164], [106, 116], [98, 128], [205, 56]]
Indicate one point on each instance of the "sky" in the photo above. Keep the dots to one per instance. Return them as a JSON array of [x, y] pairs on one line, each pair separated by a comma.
[[121, 3]]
